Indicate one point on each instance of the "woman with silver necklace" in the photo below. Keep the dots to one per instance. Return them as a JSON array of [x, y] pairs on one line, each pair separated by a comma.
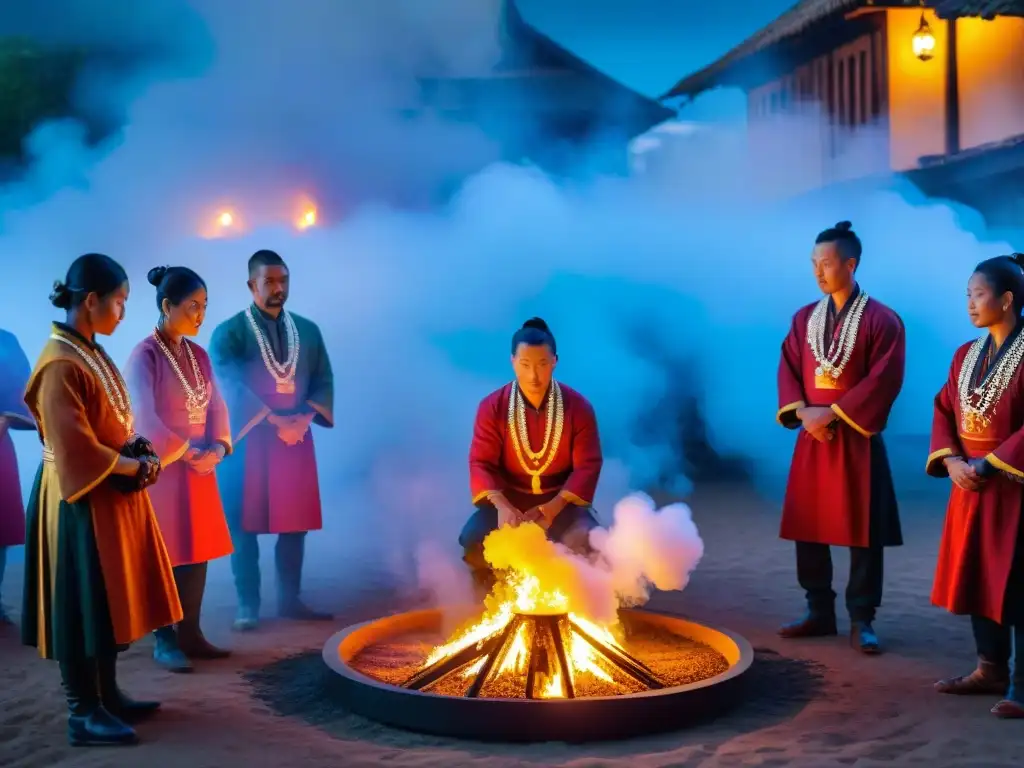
[[978, 442], [97, 575], [180, 409]]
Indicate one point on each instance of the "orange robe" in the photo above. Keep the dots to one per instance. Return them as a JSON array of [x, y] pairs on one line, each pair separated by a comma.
[[982, 528], [837, 489], [82, 440], [187, 504]]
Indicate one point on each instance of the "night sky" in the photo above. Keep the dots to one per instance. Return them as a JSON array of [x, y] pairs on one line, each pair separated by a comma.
[[650, 44]]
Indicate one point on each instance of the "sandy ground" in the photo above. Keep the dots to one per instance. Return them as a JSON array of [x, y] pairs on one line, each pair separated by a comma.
[[813, 703]]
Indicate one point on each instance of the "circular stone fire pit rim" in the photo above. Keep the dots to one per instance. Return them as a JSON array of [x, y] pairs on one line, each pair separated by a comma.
[[744, 658]]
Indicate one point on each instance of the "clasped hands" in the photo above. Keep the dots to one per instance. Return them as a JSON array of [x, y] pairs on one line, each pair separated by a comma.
[[204, 461], [291, 429], [965, 474], [817, 422]]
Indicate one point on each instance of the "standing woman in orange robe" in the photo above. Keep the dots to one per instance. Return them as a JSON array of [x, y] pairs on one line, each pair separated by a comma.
[[978, 442], [183, 414], [97, 575], [14, 371]]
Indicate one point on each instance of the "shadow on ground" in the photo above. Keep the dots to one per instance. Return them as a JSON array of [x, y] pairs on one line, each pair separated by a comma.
[[303, 687]]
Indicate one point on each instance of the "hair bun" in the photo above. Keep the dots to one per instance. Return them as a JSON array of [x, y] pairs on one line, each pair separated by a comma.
[[156, 275], [60, 296], [1017, 258], [843, 226], [536, 322]]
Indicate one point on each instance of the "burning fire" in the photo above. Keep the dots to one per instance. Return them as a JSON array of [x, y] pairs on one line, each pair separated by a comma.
[[534, 595]]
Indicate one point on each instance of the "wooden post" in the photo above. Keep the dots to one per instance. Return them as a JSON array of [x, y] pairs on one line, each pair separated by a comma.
[[952, 92]]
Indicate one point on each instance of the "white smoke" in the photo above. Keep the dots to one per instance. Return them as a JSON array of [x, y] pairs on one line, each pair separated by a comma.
[[680, 283], [647, 547]]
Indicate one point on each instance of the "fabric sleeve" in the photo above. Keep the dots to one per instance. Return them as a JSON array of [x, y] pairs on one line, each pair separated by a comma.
[[320, 393], [245, 409], [218, 420], [790, 378], [140, 375], [865, 407], [587, 460], [16, 373], [82, 462], [945, 438], [485, 452], [1008, 458]]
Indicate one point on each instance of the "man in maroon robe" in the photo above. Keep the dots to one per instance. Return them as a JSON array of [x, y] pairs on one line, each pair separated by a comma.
[[840, 373], [14, 373], [512, 480], [276, 379]]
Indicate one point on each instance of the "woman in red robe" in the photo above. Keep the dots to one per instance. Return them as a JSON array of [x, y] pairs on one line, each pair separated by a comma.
[[978, 442], [510, 481], [14, 373], [181, 411]]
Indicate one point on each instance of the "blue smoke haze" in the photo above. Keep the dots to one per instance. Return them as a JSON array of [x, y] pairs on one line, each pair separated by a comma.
[[651, 285]]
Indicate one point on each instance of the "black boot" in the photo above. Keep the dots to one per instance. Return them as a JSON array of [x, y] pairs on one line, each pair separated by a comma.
[[191, 581], [89, 723], [114, 699], [815, 623], [166, 652]]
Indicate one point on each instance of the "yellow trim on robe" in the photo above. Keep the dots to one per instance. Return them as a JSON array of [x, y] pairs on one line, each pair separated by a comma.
[[942, 453], [263, 413], [226, 442], [842, 415], [787, 408], [1001, 465], [572, 498], [77, 496], [176, 455], [328, 417], [482, 495]]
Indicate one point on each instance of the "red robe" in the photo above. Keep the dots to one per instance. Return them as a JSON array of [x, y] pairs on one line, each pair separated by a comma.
[[187, 504], [981, 530], [494, 465], [836, 489], [14, 373]]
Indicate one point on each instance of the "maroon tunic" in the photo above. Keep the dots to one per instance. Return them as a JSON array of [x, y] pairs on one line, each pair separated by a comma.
[[269, 486], [981, 530], [14, 373], [833, 486], [187, 504], [495, 466]]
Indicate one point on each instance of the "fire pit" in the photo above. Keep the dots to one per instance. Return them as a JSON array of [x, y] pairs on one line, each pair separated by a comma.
[[538, 676]]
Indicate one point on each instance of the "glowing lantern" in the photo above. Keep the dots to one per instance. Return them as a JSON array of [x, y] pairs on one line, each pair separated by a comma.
[[924, 41], [308, 219], [226, 219]]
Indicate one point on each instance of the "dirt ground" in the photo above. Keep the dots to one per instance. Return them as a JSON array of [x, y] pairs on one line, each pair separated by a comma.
[[812, 703]]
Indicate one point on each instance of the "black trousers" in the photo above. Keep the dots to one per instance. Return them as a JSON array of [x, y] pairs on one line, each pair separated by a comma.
[[289, 553], [863, 590]]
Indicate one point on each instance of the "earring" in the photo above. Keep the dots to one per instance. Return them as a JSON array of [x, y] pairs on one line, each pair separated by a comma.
[[1006, 307]]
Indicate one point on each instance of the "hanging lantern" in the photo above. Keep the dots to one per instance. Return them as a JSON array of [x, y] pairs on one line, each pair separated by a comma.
[[924, 41]]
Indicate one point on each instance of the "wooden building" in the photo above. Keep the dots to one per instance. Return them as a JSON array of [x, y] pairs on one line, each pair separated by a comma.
[[543, 103], [839, 90]]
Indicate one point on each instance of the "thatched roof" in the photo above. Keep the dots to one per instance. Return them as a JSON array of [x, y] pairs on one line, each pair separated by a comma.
[[808, 13]]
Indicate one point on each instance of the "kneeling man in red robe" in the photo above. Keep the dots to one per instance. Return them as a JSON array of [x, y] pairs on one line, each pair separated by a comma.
[[535, 455], [840, 373]]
